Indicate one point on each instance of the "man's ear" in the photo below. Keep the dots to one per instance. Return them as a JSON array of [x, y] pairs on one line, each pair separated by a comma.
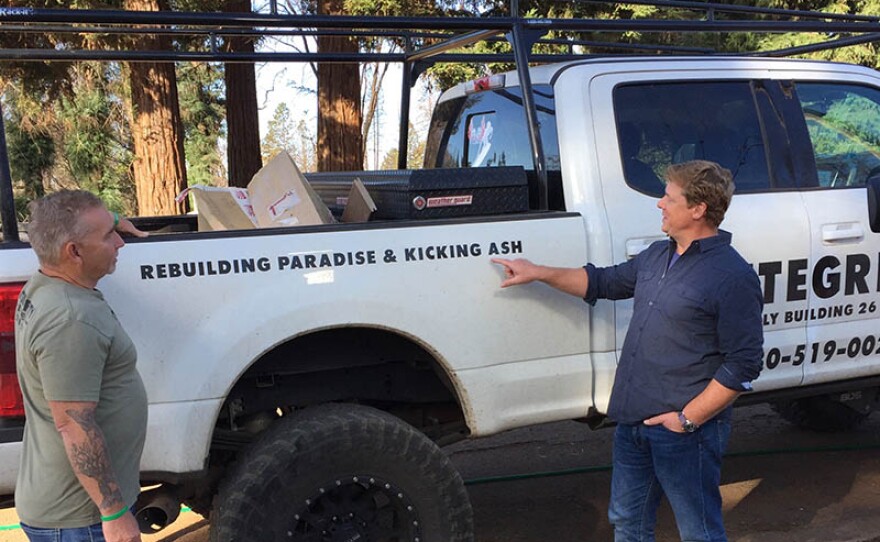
[[70, 252], [698, 211]]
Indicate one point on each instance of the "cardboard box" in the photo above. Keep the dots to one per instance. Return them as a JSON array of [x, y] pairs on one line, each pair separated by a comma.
[[222, 208], [281, 196], [278, 195], [359, 205]]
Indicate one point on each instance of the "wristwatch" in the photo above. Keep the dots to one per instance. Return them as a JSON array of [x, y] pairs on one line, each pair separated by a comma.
[[687, 425]]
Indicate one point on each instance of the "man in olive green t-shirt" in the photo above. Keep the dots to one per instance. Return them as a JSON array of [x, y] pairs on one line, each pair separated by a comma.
[[85, 403]]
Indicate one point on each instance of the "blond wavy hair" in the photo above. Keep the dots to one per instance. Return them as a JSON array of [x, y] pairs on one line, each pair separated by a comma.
[[702, 181]]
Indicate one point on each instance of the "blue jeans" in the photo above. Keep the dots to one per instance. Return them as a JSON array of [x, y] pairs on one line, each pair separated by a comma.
[[652, 461], [92, 533]]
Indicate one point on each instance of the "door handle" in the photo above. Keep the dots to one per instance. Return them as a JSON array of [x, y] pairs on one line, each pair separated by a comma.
[[842, 233], [635, 246]]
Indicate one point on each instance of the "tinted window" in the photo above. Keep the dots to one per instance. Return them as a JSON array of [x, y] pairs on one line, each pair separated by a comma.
[[844, 126], [488, 129], [667, 123]]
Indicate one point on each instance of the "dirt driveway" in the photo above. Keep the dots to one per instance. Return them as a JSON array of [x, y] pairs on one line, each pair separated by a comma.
[[550, 483]]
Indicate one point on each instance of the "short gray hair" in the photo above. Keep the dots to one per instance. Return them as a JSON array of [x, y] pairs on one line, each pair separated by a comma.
[[55, 221]]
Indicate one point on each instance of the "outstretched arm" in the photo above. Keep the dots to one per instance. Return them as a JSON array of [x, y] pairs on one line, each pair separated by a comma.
[[571, 280], [125, 226]]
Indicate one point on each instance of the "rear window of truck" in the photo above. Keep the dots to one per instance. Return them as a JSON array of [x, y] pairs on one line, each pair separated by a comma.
[[488, 129]]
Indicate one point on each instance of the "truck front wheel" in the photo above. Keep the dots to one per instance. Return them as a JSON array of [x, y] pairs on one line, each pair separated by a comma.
[[342, 473]]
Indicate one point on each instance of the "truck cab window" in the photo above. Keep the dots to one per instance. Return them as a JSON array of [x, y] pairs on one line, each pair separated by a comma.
[[844, 126], [480, 137], [488, 129], [665, 123]]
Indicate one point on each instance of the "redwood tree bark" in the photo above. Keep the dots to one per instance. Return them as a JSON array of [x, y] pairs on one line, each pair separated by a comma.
[[340, 142], [242, 119], [157, 131]]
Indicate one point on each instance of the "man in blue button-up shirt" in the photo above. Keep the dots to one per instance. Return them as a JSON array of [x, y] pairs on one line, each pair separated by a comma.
[[693, 345]]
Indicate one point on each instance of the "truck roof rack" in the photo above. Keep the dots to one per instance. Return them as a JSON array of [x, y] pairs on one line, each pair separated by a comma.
[[424, 41], [446, 32]]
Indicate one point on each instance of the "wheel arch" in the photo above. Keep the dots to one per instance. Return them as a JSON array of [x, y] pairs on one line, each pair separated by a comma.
[[380, 366]]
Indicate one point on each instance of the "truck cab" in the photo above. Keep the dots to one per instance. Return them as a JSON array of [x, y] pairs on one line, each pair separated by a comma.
[[801, 138]]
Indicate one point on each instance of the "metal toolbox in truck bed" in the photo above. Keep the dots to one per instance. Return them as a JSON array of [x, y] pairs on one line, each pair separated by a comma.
[[430, 193]]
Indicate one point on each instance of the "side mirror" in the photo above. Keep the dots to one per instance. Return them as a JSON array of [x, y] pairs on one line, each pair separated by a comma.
[[873, 192]]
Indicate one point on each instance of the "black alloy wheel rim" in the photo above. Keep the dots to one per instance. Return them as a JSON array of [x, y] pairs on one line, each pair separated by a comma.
[[359, 508]]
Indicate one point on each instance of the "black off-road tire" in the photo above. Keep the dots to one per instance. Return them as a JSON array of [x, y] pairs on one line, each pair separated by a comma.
[[822, 414], [340, 473]]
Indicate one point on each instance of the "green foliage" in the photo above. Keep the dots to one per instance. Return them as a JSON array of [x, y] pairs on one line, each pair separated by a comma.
[[31, 155], [389, 161], [844, 128], [284, 133], [415, 155], [197, 5], [444, 76], [202, 111], [87, 144], [95, 155], [75, 139], [412, 8], [850, 126], [71, 127], [280, 133], [66, 124], [864, 54], [29, 140]]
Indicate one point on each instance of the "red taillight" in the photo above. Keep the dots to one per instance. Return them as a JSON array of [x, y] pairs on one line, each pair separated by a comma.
[[11, 403]]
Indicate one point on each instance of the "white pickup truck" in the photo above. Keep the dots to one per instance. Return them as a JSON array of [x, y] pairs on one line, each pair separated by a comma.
[[301, 395]]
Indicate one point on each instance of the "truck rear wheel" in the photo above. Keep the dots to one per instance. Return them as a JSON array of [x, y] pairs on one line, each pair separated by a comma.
[[342, 473], [821, 413]]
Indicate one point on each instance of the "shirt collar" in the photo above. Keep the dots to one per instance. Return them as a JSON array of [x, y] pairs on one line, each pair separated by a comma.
[[722, 239]]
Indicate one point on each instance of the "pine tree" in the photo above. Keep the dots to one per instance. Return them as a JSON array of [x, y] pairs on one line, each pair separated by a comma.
[[203, 110], [280, 133]]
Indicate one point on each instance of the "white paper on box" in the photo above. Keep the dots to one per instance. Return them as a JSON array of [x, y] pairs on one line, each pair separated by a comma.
[[282, 196], [289, 221], [278, 195], [287, 201]]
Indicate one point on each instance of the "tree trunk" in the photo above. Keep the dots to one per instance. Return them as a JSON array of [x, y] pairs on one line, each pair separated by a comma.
[[157, 131], [242, 119], [340, 143]]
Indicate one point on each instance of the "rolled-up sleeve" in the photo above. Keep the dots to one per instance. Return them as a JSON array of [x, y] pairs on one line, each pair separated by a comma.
[[740, 332], [615, 282]]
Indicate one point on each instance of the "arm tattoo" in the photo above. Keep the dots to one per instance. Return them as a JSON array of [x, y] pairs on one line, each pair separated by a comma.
[[90, 458]]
